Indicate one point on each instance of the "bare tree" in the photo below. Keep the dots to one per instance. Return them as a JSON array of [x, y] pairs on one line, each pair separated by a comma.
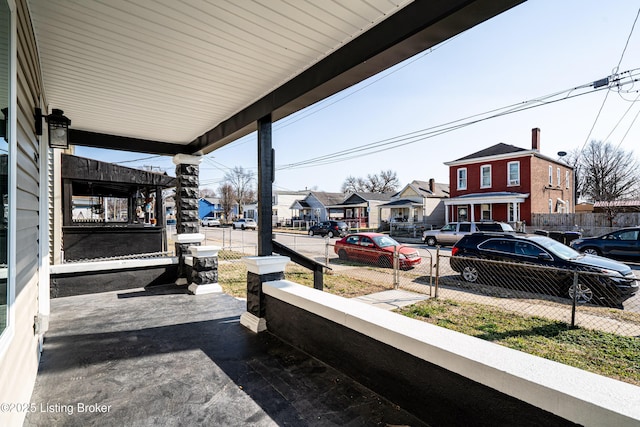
[[207, 192], [227, 200], [241, 182], [606, 173], [384, 182]]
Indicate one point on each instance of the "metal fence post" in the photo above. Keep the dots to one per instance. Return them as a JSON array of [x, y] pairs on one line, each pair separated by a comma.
[[437, 269], [574, 299], [396, 268], [326, 252]]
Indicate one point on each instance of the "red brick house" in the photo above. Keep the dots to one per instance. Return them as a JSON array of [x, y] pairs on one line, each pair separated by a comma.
[[508, 183]]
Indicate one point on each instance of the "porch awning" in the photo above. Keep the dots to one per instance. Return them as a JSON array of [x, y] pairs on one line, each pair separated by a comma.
[[491, 198], [402, 203]]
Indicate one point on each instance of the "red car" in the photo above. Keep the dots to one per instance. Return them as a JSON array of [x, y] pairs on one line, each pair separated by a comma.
[[375, 248]]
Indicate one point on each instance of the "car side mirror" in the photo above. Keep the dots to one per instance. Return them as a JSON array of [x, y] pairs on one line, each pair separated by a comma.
[[545, 256]]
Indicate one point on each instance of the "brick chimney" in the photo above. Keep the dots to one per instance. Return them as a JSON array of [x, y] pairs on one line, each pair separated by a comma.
[[432, 185], [535, 139]]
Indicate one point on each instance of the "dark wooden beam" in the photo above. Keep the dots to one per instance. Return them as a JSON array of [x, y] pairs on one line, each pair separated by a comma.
[[114, 142]]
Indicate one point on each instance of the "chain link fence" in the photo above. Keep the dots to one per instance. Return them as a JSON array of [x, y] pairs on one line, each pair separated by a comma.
[[590, 300]]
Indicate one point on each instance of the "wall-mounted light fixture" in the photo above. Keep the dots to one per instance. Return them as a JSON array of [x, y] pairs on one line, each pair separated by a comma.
[[4, 123], [58, 127]]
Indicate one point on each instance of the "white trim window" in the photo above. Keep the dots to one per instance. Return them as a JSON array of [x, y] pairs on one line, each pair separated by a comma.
[[558, 175], [462, 178], [485, 212], [485, 176], [550, 175], [566, 179], [550, 205], [513, 174]]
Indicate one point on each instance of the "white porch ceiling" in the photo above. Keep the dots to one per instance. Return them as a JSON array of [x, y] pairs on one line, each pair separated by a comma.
[[173, 70]]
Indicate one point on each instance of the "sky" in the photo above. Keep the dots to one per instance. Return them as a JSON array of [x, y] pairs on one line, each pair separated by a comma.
[[433, 108]]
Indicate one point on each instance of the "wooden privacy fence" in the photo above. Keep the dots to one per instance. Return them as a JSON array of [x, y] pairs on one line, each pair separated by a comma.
[[589, 223]]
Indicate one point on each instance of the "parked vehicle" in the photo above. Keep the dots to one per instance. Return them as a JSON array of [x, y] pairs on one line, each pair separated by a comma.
[[244, 223], [453, 231], [516, 259], [621, 244], [377, 249], [208, 221], [330, 228]]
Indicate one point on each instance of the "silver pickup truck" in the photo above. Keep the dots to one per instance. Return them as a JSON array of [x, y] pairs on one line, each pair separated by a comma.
[[452, 232]]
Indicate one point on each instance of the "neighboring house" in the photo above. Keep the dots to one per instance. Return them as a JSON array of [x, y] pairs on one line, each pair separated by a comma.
[[619, 206], [211, 207], [508, 183], [318, 206], [418, 202], [361, 210], [283, 212]]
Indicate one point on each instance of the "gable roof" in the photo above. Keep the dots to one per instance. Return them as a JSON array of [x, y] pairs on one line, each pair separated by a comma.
[[494, 150], [327, 199]]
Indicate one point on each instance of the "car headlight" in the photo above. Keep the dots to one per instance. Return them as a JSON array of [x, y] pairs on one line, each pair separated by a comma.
[[402, 256], [610, 272]]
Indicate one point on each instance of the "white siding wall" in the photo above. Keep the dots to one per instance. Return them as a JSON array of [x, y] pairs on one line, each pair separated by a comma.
[[19, 362]]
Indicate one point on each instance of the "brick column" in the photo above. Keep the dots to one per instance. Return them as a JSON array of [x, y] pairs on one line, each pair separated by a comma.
[[260, 270], [187, 227]]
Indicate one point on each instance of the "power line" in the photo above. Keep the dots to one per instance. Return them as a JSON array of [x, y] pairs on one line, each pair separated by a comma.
[[416, 136], [615, 74]]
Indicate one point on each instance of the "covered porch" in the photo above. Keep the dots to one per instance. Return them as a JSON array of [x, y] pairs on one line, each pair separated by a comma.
[[498, 206], [156, 85]]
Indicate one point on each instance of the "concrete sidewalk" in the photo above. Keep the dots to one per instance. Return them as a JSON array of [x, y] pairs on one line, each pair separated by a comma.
[[392, 299], [165, 358]]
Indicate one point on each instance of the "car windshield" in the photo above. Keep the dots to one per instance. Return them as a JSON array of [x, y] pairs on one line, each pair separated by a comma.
[[559, 249], [384, 241]]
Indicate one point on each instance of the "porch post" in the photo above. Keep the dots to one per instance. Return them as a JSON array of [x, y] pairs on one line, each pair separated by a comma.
[[265, 186], [198, 265], [472, 209]]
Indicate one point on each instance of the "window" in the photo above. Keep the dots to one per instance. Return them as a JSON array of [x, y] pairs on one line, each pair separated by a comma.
[[550, 206], [558, 176], [550, 175], [485, 211], [485, 176], [498, 245], [465, 228], [462, 179], [514, 212], [513, 173], [462, 214], [5, 128], [566, 179]]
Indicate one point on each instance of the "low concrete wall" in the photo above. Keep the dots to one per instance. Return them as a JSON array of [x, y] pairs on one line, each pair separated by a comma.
[[102, 276], [444, 377]]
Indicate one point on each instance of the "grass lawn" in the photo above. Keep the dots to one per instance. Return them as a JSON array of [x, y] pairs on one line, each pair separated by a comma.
[[599, 352], [603, 353]]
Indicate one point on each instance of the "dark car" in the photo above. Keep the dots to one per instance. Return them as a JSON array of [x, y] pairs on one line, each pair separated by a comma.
[[544, 263], [330, 228], [621, 244], [377, 249]]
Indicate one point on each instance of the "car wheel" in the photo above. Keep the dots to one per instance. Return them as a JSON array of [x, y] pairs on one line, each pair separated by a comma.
[[470, 273], [584, 293], [430, 241], [591, 251], [243, 227], [310, 232], [384, 262], [234, 227], [342, 254], [330, 234]]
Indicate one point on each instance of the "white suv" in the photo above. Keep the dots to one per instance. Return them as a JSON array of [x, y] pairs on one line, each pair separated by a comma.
[[452, 232], [244, 223]]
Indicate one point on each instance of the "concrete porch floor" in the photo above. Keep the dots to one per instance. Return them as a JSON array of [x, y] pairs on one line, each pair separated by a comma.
[[165, 358]]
